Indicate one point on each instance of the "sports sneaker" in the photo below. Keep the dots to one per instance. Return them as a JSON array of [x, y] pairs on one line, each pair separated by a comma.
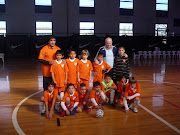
[[113, 105], [43, 112], [135, 109], [89, 109]]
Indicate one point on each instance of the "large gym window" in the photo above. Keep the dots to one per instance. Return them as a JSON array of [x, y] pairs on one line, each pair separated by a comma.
[[43, 2], [86, 7], [43, 28], [126, 4], [86, 3], [2, 2], [162, 5], [160, 30], [86, 28], [2, 27], [126, 29]]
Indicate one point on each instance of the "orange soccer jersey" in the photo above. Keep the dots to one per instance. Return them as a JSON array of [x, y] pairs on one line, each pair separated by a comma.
[[49, 96], [95, 95], [73, 98], [47, 53], [131, 92], [72, 74], [82, 97], [98, 68], [120, 89], [84, 69], [59, 69]]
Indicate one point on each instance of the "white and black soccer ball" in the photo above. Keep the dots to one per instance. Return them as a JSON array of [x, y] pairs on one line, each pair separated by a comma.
[[99, 113]]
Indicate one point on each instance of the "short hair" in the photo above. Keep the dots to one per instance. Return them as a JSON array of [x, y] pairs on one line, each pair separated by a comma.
[[72, 50], [108, 38], [107, 75], [132, 80], [51, 37], [70, 84], [85, 51], [82, 85], [50, 83], [60, 52], [97, 84], [100, 53], [121, 47]]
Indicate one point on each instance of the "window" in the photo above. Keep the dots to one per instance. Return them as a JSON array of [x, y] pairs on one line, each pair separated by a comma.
[[2, 27], [2, 2], [86, 3], [160, 30], [126, 4], [43, 28], [86, 28], [162, 5], [126, 29], [43, 2]]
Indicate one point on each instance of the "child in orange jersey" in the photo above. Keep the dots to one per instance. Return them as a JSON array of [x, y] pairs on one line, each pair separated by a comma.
[[70, 99], [121, 89], [83, 96], [49, 98], [132, 95], [96, 97], [109, 87], [84, 69], [101, 68], [59, 73], [72, 63]]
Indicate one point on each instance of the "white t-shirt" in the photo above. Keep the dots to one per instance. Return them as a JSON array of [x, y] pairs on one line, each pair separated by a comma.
[[109, 57]]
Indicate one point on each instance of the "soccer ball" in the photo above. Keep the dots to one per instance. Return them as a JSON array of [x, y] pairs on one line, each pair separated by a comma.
[[99, 113]]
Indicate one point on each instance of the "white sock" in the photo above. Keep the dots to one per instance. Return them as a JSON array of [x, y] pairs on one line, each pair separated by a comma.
[[136, 103], [61, 95], [112, 94], [125, 104], [43, 108]]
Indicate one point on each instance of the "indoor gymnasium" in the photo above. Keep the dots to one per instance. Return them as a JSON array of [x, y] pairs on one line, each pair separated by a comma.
[[89, 67]]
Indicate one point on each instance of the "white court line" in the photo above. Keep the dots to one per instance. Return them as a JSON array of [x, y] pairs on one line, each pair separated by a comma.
[[159, 118], [157, 81], [14, 115]]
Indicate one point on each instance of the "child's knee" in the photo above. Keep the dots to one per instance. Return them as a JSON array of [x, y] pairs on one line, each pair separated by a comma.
[[42, 99], [58, 98], [79, 110], [67, 101], [137, 99]]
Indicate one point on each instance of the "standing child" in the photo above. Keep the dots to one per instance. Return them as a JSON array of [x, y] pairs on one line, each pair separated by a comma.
[[121, 65], [101, 68], [121, 89], [84, 69], [72, 63], [83, 96], [70, 100], [132, 95], [109, 87], [96, 98], [59, 73], [49, 99]]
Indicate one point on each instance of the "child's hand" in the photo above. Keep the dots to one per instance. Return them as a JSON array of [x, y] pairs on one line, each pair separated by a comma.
[[65, 82], [79, 80], [125, 55], [52, 62], [127, 111], [67, 112], [55, 82], [72, 109], [50, 115], [96, 62], [63, 61], [47, 115], [95, 73]]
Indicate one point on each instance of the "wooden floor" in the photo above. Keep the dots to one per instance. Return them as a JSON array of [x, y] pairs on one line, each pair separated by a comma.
[[159, 113]]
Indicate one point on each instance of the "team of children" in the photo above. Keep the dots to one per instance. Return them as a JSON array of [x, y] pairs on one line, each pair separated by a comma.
[[69, 93]]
